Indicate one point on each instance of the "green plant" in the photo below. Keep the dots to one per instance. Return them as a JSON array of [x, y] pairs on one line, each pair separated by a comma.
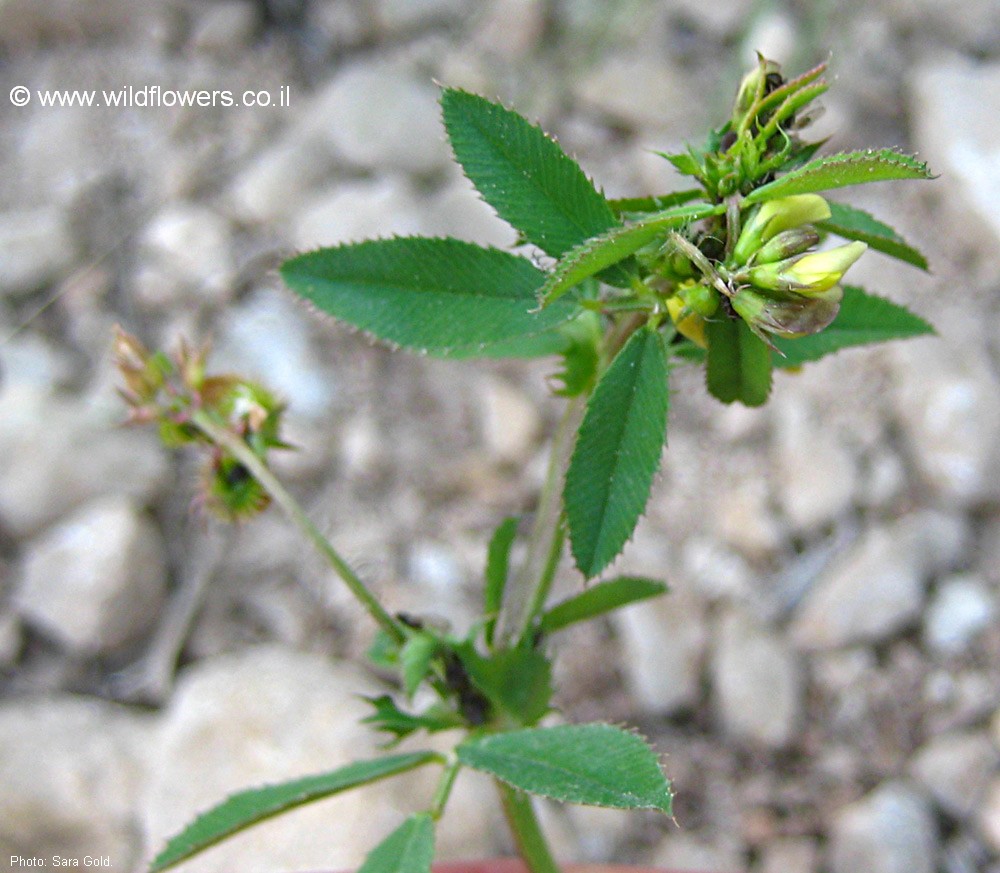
[[723, 274]]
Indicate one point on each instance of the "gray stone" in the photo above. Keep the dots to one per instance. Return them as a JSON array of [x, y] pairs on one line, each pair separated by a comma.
[[757, 683], [187, 257], [663, 642], [956, 769], [73, 776], [814, 472], [687, 851], [948, 401], [380, 115], [97, 579], [989, 816], [954, 104], [355, 211], [456, 210], [510, 422], [891, 830], [225, 28], [267, 715], [405, 14], [10, 637], [789, 855], [877, 587], [56, 453], [267, 337], [278, 181], [37, 248], [961, 608]]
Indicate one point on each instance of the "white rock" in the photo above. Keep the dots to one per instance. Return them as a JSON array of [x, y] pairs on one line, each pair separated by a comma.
[[948, 401], [97, 579], [10, 637], [456, 210], [757, 682], [380, 115], [73, 775], [56, 453], [814, 472], [266, 337], [663, 642], [954, 103], [187, 251], [891, 830], [955, 769], [685, 851], [746, 521], [961, 608], [355, 211], [278, 181], [789, 854], [878, 586], [37, 248], [989, 816], [510, 421], [268, 715]]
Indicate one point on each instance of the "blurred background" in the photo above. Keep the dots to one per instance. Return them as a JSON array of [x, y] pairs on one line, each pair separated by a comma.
[[824, 678]]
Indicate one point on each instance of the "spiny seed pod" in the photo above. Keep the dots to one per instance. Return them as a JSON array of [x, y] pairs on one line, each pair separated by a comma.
[[809, 274], [229, 490], [790, 316], [776, 216]]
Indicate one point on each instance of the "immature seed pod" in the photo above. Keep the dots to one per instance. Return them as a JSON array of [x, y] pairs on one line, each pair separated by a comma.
[[790, 316], [786, 244]]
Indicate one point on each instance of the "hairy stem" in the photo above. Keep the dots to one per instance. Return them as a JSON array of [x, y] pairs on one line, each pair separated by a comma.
[[531, 843], [258, 469]]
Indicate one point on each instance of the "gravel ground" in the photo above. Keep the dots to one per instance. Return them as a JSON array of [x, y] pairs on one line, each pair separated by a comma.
[[824, 678]]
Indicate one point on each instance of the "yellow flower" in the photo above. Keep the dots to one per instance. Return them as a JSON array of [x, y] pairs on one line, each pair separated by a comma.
[[808, 274], [776, 216]]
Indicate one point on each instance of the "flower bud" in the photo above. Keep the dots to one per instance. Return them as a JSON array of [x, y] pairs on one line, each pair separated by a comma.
[[689, 323], [808, 274], [785, 244], [776, 216], [790, 316]]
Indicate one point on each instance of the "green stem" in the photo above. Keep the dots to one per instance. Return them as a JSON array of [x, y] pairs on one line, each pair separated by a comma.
[[227, 440], [531, 843], [527, 590], [444, 787]]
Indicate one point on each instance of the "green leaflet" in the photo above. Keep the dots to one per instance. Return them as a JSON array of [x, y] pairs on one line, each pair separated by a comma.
[[415, 659], [599, 599], [607, 249], [408, 849], [593, 764], [518, 680], [851, 223], [863, 319], [523, 174], [837, 171], [617, 452], [246, 808], [442, 296], [388, 717], [738, 365], [497, 568], [626, 205]]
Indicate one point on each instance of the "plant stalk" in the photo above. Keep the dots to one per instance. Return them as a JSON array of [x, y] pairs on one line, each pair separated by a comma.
[[531, 843], [227, 440]]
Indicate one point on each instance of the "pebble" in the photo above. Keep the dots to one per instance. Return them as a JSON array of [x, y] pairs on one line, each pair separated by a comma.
[[456, 210], [97, 580], [354, 211], [37, 247], [265, 715], [989, 816], [815, 474], [225, 28], [757, 682], [789, 855], [59, 452], [952, 103], [960, 609], [380, 115], [877, 587], [686, 851], [509, 420], [73, 779], [955, 769], [891, 830], [663, 642], [267, 337], [186, 257], [948, 402], [406, 14]]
